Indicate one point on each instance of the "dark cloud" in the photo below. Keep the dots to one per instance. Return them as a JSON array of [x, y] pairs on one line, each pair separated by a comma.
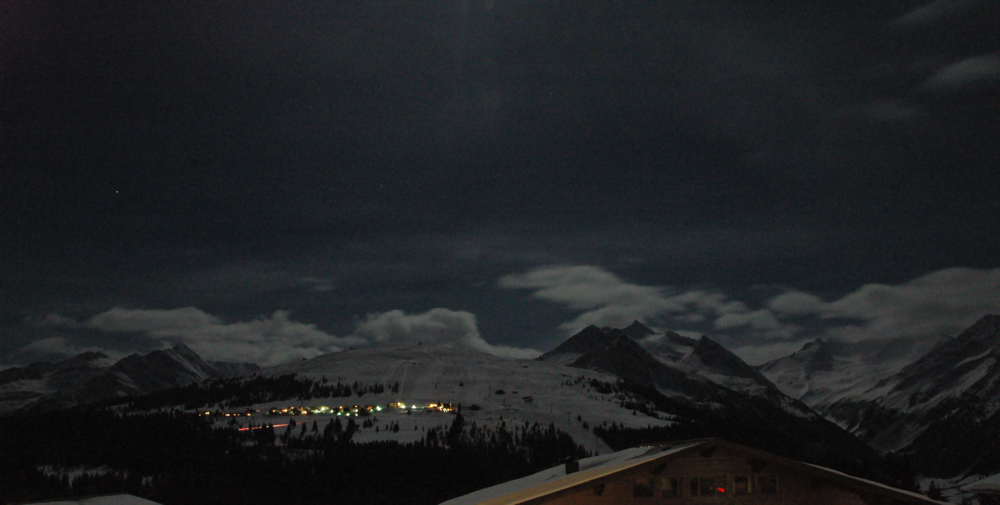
[[339, 159], [964, 73], [64, 347], [933, 11], [603, 298], [441, 327], [940, 303], [264, 340]]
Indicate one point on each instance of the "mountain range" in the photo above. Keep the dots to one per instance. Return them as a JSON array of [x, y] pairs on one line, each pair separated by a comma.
[[674, 387], [936, 400], [834, 403], [92, 377]]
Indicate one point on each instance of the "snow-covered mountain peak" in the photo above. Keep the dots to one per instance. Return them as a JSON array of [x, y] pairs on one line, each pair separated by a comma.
[[815, 356], [888, 391], [637, 330], [93, 376], [182, 350], [557, 388], [606, 351], [594, 340], [678, 366], [985, 331], [813, 344], [90, 356], [720, 360]]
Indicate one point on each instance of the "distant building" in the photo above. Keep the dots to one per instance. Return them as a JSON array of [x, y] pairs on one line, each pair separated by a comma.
[[709, 471], [111, 499]]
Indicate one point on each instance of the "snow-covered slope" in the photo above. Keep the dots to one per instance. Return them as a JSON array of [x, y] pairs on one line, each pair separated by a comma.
[[721, 389], [494, 391], [491, 390], [615, 353], [679, 367], [889, 392], [706, 358], [825, 373], [949, 403], [92, 377], [156, 370], [20, 387]]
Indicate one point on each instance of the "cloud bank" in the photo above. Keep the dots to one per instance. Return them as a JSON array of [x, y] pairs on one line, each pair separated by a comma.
[[265, 340], [272, 340], [965, 73], [63, 346], [940, 303], [932, 12], [602, 298], [605, 299], [435, 327]]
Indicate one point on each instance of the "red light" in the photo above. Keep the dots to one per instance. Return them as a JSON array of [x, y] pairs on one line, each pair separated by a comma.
[[259, 427], [721, 489]]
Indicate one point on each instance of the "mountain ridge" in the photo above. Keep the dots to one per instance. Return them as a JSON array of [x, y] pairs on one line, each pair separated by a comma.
[[704, 376], [92, 376], [926, 399]]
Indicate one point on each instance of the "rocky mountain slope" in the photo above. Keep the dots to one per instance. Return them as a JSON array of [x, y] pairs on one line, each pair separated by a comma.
[[491, 390], [685, 390], [674, 387], [20, 387], [716, 385], [906, 396], [92, 377], [835, 378], [699, 370]]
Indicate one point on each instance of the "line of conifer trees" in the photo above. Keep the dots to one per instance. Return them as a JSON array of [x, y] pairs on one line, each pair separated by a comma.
[[170, 456]]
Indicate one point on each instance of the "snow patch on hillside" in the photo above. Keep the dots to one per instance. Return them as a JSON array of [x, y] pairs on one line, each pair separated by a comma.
[[503, 390]]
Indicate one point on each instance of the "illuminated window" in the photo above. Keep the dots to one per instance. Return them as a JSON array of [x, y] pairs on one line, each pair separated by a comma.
[[642, 487], [708, 485], [669, 486], [719, 484]]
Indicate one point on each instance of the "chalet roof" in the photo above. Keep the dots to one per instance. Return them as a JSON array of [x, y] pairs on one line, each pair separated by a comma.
[[601, 468], [555, 479], [113, 499]]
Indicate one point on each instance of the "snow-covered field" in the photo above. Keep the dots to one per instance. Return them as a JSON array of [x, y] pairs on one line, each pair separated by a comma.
[[506, 391]]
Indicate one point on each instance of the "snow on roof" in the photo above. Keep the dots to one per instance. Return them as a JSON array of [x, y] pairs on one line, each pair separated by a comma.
[[988, 485], [114, 499], [555, 479]]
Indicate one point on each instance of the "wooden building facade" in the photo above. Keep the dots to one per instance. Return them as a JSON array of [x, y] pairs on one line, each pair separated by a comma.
[[705, 472]]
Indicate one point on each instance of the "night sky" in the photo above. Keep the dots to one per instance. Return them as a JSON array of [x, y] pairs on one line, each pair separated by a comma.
[[266, 181]]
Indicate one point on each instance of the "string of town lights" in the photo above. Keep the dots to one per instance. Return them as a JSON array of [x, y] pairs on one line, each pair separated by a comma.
[[340, 410]]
